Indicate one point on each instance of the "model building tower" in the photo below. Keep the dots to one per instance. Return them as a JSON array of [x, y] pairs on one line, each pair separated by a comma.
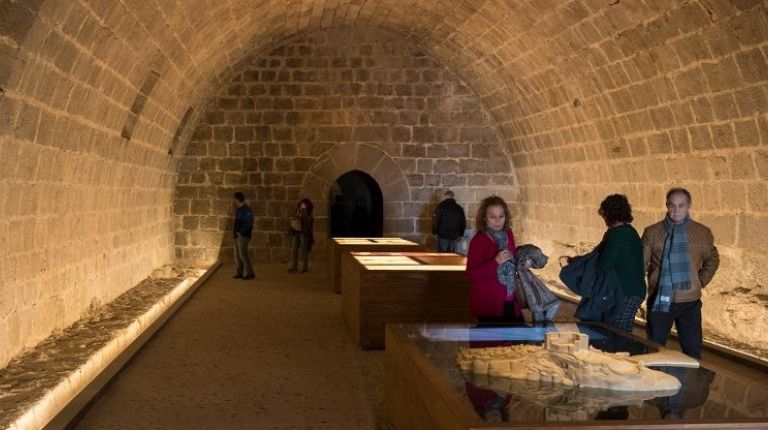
[[566, 342]]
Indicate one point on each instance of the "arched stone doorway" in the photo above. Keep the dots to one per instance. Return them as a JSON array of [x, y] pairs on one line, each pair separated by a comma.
[[356, 206]]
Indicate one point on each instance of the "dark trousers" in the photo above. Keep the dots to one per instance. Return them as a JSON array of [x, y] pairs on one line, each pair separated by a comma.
[[300, 244], [687, 320], [242, 258], [446, 245], [508, 317]]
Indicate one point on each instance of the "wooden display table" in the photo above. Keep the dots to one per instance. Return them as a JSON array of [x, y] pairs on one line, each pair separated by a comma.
[[384, 287], [426, 389], [337, 246]]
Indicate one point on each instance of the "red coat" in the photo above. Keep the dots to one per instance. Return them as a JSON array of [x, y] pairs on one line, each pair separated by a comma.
[[486, 294]]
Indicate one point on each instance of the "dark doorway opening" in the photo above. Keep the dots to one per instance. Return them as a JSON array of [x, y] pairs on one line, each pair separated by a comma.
[[356, 206]]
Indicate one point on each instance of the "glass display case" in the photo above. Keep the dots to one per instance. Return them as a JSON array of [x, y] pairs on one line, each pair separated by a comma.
[[337, 246], [384, 287], [425, 387]]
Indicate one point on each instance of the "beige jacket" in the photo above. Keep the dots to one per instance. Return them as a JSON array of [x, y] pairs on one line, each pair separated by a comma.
[[704, 258]]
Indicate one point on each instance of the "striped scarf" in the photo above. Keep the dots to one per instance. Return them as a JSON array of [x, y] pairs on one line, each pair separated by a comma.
[[506, 270], [675, 264]]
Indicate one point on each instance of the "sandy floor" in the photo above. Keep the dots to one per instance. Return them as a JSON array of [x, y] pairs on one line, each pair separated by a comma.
[[270, 353]]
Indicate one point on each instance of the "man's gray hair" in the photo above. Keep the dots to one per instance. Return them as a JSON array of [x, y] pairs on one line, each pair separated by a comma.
[[673, 191]]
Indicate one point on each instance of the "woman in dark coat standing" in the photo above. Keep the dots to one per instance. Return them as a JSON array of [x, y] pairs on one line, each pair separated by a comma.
[[621, 250], [302, 232]]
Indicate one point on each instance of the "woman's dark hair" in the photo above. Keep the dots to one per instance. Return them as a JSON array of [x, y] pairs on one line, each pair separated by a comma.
[[615, 208], [307, 203], [481, 222], [239, 196]]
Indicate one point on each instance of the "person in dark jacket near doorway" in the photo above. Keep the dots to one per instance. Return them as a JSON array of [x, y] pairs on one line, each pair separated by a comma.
[[448, 223], [242, 231]]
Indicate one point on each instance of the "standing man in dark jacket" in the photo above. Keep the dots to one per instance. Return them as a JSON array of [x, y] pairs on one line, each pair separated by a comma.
[[448, 223], [681, 259], [242, 234]]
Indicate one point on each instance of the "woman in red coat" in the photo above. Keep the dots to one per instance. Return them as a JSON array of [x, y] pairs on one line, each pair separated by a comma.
[[491, 265]]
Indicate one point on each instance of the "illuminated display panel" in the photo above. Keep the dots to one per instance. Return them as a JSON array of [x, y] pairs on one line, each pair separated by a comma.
[[372, 241], [386, 260], [339, 246], [411, 261]]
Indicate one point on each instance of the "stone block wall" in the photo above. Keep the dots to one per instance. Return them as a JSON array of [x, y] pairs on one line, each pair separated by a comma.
[[636, 98], [85, 214], [291, 121], [588, 97]]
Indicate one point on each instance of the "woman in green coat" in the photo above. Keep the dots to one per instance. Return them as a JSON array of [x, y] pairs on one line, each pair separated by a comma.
[[621, 250]]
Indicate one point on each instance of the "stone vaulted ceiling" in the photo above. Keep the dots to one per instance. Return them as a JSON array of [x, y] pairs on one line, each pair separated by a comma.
[[590, 96]]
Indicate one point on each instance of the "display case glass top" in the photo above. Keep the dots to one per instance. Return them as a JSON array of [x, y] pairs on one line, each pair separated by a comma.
[[411, 261], [372, 241], [709, 393]]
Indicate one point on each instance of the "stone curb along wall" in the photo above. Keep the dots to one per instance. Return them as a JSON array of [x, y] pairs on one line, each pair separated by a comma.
[[53, 392], [293, 120]]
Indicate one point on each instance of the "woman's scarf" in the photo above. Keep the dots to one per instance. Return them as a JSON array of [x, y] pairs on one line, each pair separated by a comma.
[[506, 270], [675, 264]]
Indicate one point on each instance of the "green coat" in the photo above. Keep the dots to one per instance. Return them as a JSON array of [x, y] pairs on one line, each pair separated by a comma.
[[622, 251]]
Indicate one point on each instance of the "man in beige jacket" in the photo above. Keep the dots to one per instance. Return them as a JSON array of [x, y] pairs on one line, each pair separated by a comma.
[[681, 259]]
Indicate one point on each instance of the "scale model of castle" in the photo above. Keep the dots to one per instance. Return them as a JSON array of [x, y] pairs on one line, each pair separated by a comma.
[[566, 358]]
